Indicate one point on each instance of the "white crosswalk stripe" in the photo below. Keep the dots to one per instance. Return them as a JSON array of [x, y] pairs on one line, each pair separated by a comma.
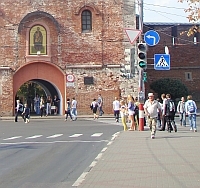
[[55, 136], [12, 138], [75, 135], [35, 136], [96, 134], [52, 136]]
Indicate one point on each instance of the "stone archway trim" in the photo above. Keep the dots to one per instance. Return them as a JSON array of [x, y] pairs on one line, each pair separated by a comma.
[[40, 70]]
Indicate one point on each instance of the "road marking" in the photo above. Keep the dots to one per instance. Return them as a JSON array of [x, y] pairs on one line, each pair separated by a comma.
[[54, 142], [55, 136], [35, 136], [80, 179], [75, 135], [12, 138], [96, 134], [93, 164]]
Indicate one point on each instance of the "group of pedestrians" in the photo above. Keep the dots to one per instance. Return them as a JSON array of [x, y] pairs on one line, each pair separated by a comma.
[[127, 110], [97, 107], [165, 111], [43, 106], [71, 109], [23, 111]]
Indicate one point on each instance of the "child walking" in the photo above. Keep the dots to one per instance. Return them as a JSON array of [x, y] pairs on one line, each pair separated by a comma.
[[123, 113], [26, 114]]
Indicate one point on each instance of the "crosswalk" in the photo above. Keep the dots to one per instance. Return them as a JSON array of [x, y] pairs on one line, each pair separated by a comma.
[[53, 136]]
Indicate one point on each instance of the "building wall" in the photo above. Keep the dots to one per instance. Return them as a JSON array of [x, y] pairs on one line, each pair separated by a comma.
[[98, 53], [184, 55]]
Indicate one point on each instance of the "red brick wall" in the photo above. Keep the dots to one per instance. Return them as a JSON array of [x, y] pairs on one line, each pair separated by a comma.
[[184, 57], [67, 44]]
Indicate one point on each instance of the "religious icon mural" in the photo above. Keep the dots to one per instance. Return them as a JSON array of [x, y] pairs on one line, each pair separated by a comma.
[[38, 40]]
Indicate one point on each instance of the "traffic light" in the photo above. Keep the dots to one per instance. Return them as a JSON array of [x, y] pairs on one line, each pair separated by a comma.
[[142, 55], [145, 76]]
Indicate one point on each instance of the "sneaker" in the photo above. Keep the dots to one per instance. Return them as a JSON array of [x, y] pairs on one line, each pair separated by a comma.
[[195, 130], [152, 136], [191, 129]]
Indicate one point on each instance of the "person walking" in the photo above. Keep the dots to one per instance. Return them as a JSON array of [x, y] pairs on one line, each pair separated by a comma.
[[74, 109], [181, 111], [56, 101], [123, 114], [94, 105], [48, 107], [116, 108], [26, 113], [100, 101], [42, 106], [136, 115], [68, 110], [159, 122], [163, 119], [191, 111], [169, 112], [19, 110], [37, 104], [131, 112], [150, 107]]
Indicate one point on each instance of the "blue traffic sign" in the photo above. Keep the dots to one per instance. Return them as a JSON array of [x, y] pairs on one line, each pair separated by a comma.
[[151, 37], [161, 61]]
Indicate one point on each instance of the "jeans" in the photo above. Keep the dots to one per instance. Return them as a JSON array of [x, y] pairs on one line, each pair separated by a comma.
[[182, 117], [101, 112], [192, 121], [48, 109], [116, 114], [74, 113]]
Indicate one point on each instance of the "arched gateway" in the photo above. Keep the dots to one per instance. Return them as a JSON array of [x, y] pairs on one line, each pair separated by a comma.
[[41, 71]]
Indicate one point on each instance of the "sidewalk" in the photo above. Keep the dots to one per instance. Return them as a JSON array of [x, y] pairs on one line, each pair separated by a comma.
[[56, 117], [136, 160]]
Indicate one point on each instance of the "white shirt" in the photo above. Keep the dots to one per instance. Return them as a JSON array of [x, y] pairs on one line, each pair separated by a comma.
[[116, 105], [74, 104], [152, 107]]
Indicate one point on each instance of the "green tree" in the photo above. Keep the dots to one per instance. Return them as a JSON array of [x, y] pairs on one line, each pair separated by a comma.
[[172, 86]]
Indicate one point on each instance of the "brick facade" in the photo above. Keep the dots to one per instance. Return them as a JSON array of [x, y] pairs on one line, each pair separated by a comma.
[[98, 53], [184, 55]]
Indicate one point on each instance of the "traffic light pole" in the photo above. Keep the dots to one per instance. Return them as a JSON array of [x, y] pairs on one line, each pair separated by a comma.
[[141, 84]]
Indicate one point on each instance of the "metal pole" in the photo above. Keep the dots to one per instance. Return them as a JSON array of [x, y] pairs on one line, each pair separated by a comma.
[[141, 83]]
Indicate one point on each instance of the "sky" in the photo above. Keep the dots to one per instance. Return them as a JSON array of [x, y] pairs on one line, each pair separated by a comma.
[[170, 11]]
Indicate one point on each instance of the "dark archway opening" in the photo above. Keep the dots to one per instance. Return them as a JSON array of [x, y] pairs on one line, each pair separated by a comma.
[[37, 87]]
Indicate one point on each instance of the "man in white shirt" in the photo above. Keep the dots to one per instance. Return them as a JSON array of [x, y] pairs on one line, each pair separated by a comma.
[[151, 108], [116, 108], [74, 109]]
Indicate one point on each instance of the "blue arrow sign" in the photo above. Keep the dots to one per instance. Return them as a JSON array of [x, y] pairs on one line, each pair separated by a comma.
[[151, 37], [161, 61]]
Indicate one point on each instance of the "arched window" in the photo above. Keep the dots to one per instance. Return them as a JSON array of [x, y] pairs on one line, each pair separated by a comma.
[[38, 40], [86, 20]]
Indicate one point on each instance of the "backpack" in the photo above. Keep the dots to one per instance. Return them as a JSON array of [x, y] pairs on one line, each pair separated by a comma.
[[191, 107], [170, 107]]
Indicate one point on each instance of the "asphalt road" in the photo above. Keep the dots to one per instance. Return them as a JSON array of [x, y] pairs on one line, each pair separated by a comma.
[[50, 153]]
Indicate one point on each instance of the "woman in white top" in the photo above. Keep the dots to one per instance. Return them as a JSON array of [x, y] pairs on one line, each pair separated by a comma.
[[116, 108]]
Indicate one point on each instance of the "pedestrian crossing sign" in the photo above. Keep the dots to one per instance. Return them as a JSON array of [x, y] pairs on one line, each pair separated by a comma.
[[161, 61]]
